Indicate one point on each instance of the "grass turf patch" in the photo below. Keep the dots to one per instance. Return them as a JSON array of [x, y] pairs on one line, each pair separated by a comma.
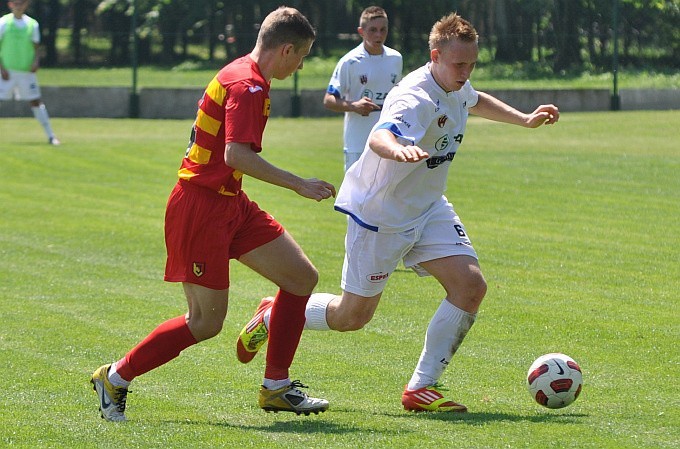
[[575, 225]]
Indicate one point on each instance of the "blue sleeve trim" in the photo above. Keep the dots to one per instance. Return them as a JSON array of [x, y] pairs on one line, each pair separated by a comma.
[[333, 91], [392, 127], [357, 220]]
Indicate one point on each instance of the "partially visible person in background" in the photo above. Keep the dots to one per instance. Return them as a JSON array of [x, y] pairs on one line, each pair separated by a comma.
[[361, 81], [19, 60]]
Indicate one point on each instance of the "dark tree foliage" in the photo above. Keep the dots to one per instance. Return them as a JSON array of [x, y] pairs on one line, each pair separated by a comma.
[[559, 34]]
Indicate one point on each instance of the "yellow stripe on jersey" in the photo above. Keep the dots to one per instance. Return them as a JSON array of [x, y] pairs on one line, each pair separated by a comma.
[[267, 107], [185, 173], [236, 175], [199, 155], [225, 192], [216, 91], [207, 123]]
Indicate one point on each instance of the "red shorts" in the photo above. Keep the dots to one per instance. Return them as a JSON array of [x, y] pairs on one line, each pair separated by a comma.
[[204, 229]]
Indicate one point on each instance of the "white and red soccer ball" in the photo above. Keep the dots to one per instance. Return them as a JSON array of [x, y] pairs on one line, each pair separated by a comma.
[[554, 380]]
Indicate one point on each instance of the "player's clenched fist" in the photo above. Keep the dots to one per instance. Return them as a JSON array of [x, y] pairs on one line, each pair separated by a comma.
[[316, 189], [410, 153]]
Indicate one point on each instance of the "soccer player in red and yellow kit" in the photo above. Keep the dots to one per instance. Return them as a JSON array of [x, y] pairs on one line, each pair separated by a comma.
[[210, 220]]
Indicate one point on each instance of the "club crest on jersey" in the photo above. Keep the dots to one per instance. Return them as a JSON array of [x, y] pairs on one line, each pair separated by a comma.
[[442, 143], [363, 78], [441, 121], [198, 269], [376, 278]]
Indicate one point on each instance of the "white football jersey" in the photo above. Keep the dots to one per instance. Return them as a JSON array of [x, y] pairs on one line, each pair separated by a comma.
[[390, 196], [359, 74]]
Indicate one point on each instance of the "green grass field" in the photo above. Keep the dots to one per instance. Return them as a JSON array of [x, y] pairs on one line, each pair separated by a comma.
[[317, 72], [577, 230]]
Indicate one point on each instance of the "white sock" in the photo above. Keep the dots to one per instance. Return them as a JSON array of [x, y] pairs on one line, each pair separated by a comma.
[[445, 333], [315, 313], [270, 384], [115, 378], [40, 113]]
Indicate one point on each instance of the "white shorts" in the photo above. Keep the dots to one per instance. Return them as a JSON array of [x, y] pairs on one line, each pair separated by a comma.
[[20, 85], [371, 257]]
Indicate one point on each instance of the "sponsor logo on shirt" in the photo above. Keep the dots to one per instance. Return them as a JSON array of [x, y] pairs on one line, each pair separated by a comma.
[[376, 278], [363, 78], [254, 89], [441, 121], [436, 161], [400, 118]]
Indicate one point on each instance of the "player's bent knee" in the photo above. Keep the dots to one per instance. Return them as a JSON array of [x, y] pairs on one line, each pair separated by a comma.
[[476, 292], [204, 329], [481, 289], [307, 279], [299, 281]]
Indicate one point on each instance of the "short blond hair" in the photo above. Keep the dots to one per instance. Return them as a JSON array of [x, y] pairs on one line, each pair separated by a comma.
[[449, 28], [285, 25], [370, 13]]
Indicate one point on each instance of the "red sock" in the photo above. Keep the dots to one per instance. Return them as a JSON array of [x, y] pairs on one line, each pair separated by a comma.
[[159, 347], [285, 329]]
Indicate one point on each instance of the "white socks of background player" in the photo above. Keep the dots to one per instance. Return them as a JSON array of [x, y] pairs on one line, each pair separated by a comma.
[[445, 333], [40, 113], [315, 313]]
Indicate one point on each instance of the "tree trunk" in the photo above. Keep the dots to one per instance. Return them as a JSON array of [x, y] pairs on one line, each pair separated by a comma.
[[567, 48], [49, 32], [80, 12], [505, 48]]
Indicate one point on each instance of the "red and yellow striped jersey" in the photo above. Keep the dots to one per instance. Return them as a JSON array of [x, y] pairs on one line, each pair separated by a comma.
[[234, 108]]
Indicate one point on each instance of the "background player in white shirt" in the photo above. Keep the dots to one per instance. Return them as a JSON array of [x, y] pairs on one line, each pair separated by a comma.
[[361, 81], [394, 194]]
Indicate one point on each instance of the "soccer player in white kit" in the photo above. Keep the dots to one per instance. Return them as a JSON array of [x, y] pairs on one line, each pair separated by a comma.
[[394, 196], [361, 81]]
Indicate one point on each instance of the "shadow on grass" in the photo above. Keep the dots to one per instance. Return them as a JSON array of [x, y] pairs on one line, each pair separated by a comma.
[[289, 424], [484, 418], [327, 425]]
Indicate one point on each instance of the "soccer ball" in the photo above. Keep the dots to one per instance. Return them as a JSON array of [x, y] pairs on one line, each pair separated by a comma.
[[554, 380]]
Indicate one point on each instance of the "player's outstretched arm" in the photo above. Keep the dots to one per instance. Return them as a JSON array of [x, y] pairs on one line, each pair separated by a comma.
[[240, 157], [385, 145], [492, 108]]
